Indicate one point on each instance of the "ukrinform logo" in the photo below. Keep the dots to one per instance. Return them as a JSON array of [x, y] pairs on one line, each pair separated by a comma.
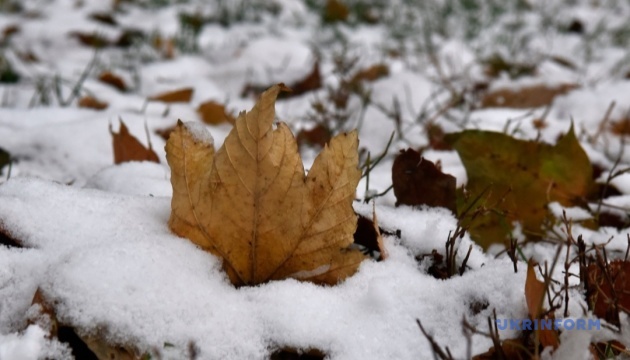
[[548, 324]]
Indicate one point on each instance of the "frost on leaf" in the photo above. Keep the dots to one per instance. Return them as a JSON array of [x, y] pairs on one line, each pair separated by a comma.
[[252, 205]]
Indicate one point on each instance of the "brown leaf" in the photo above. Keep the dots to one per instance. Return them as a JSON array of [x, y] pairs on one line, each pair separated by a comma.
[[177, 96], [609, 291], [417, 181], [114, 80], [289, 353], [213, 113], [335, 11], [128, 148], [93, 40], [9, 31], [320, 135], [165, 133], [7, 239], [371, 73], [497, 65], [45, 318], [251, 204], [129, 37], [527, 97], [106, 18], [92, 103], [312, 81], [535, 291], [368, 234], [104, 349], [379, 237], [621, 127]]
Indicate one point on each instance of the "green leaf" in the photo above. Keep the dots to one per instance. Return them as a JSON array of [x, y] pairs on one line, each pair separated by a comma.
[[514, 180]]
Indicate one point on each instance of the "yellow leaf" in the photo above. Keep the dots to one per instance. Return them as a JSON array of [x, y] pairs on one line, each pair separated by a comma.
[[178, 96], [251, 204]]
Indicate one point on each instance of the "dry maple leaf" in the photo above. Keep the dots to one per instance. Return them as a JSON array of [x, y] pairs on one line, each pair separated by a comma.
[[251, 204]]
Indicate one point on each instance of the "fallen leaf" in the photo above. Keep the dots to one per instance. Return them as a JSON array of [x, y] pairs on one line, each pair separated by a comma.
[[379, 236], [177, 96], [435, 135], [335, 11], [45, 315], [9, 31], [28, 56], [106, 18], [609, 293], [320, 135], [83, 346], [371, 73], [7, 239], [92, 103], [312, 81], [213, 113], [5, 158], [289, 353], [93, 40], [104, 349], [114, 80], [518, 180], [535, 291], [129, 37], [497, 65], [526, 97], [369, 235], [621, 127], [128, 148], [417, 181], [251, 204], [365, 235], [165, 133]]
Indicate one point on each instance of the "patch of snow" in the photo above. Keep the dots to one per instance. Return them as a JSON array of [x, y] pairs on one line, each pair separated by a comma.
[[199, 132], [573, 213]]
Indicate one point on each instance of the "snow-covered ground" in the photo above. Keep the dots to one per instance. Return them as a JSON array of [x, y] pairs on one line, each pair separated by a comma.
[[95, 237]]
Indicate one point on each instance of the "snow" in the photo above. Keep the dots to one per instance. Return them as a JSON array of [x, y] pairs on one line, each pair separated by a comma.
[[199, 132], [149, 287], [572, 213], [25, 347], [95, 237]]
